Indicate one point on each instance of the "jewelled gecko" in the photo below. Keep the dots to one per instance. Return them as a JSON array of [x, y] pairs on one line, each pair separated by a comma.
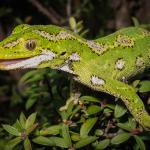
[[103, 64]]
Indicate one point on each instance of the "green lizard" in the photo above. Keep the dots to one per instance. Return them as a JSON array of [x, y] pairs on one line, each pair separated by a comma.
[[103, 64]]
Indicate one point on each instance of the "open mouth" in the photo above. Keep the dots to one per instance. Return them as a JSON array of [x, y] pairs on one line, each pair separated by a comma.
[[30, 62], [10, 62]]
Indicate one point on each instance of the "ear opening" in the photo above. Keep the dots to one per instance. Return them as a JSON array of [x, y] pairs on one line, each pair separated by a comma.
[[19, 28]]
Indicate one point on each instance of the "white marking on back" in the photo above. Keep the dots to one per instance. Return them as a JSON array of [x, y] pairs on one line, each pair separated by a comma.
[[120, 64], [139, 62], [32, 62], [66, 68], [52, 37], [74, 57], [63, 35], [125, 41], [97, 81], [97, 47]]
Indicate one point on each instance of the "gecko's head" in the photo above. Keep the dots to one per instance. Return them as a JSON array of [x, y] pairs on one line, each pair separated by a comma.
[[32, 46]]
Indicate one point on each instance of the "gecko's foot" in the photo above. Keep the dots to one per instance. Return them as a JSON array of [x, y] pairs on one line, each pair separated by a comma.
[[145, 122]]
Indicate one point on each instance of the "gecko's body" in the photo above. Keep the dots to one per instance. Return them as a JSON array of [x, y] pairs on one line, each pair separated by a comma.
[[102, 64]]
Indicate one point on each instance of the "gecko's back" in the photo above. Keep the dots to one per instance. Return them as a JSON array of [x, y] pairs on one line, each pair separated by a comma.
[[130, 53]]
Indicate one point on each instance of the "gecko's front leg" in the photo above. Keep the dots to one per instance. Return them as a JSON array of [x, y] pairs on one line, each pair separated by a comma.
[[123, 91]]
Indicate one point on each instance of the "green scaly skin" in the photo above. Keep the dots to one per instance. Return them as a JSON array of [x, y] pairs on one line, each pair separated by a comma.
[[103, 64]]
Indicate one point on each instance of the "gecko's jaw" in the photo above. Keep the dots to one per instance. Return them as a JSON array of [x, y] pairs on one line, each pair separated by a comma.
[[10, 62], [24, 63], [13, 64]]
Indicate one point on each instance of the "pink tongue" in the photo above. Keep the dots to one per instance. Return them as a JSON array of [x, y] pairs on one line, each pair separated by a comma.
[[9, 62]]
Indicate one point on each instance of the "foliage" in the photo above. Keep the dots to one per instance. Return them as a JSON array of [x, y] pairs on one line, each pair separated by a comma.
[[86, 122], [58, 118]]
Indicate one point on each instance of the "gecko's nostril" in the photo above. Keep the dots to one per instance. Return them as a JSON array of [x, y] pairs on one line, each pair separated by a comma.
[[63, 53]]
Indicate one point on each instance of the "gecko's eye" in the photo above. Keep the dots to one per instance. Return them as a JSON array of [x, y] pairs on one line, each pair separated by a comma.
[[30, 44]]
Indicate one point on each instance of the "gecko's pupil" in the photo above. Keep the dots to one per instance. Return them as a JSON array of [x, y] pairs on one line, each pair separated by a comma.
[[31, 44]]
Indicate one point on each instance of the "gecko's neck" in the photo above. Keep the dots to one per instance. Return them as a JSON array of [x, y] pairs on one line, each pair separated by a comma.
[[80, 54]]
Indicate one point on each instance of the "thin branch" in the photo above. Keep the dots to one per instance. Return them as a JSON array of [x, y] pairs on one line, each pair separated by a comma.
[[49, 13], [68, 8]]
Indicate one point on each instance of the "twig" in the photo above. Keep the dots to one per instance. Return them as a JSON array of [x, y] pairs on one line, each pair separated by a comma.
[[49, 13], [68, 8], [54, 13]]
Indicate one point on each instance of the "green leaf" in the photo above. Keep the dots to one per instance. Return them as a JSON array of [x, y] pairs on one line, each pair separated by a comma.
[[27, 76], [89, 99], [60, 142], [31, 128], [64, 115], [110, 106], [135, 22], [75, 136], [70, 107], [43, 141], [129, 125], [107, 111], [52, 130], [30, 120], [3, 143], [85, 141], [119, 111], [124, 126], [102, 144], [84, 32], [66, 135], [80, 24], [93, 109], [18, 125], [12, 130], [12, 143], [132, 123], [87, 126], [75, 110], [22, 120], [140, 142], [31, 101], [99, 132], [135, 83], [34, 78], [27, 144], [144, 86], [120, 138], [72, 23]]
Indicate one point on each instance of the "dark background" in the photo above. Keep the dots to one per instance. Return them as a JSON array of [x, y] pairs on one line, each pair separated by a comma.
[[97, 15]]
